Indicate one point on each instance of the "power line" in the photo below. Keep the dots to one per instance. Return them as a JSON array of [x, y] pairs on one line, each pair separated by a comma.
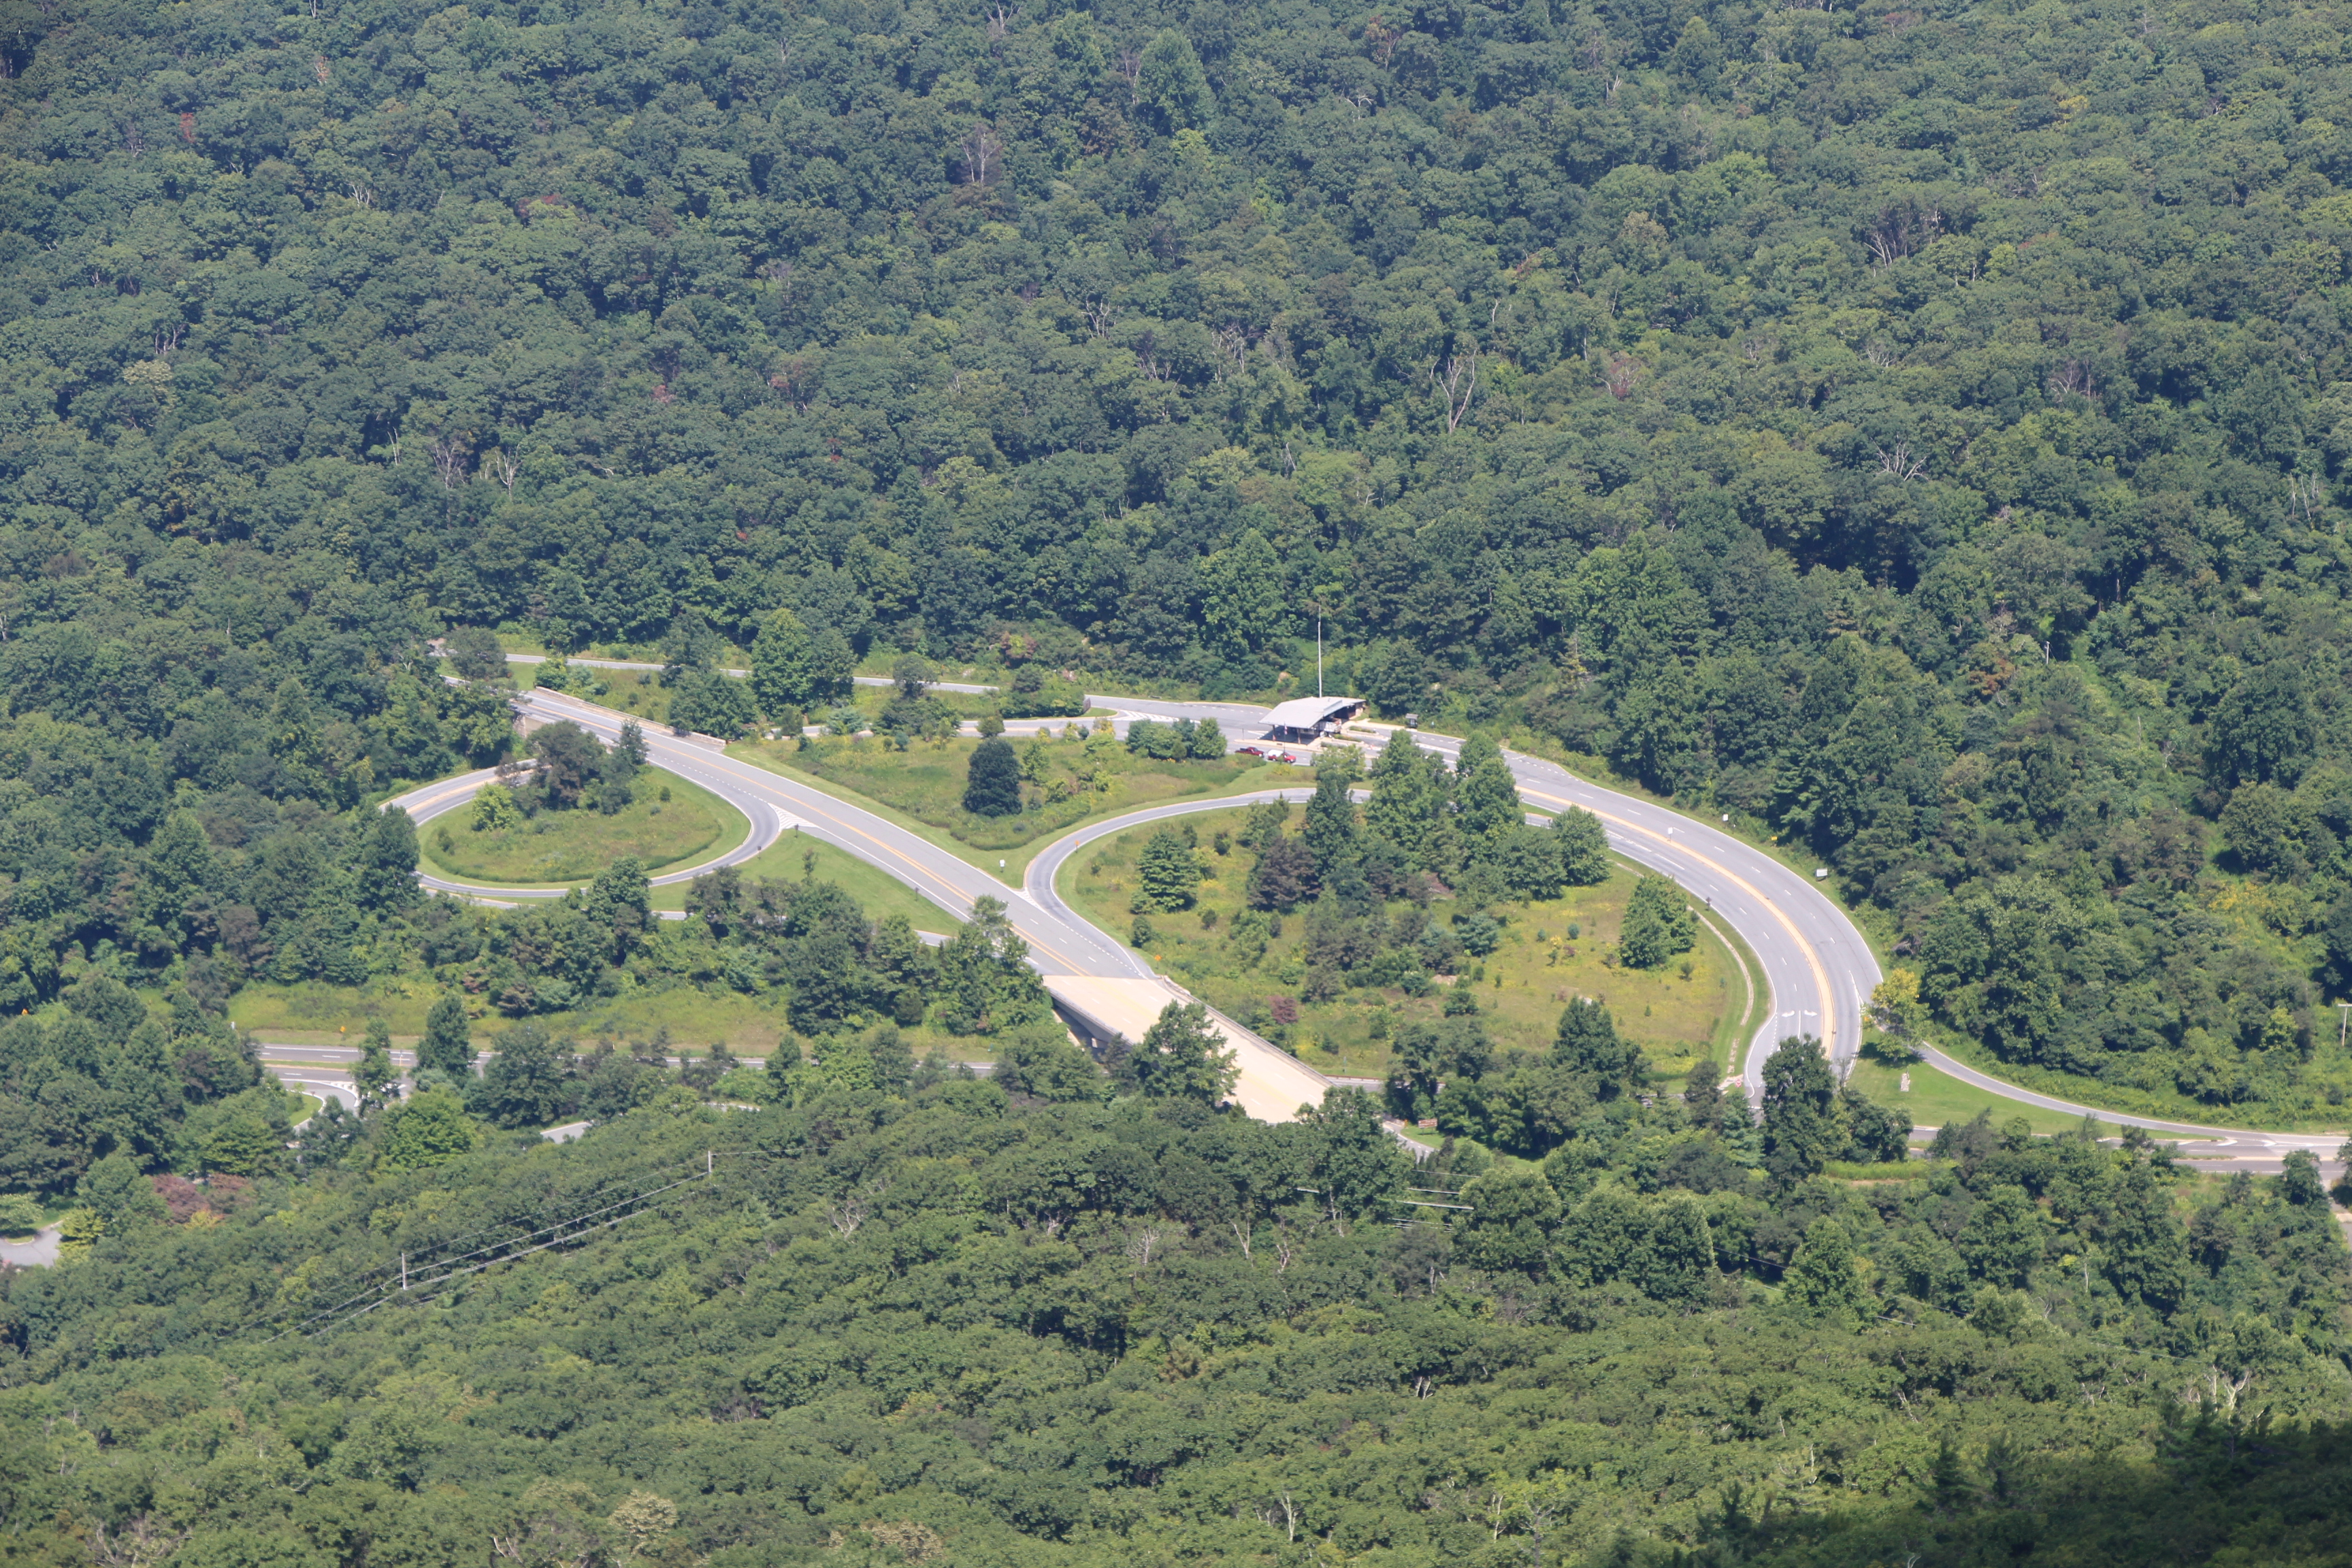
[[409, 1266], [441, 1247], [432, 1257], [413, 1289]]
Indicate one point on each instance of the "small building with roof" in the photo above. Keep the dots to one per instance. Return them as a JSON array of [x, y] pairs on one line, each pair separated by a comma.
[[1303, 720]]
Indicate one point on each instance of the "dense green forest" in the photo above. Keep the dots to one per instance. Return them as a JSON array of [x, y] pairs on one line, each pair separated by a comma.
[[1915, 429], [906, 1316]]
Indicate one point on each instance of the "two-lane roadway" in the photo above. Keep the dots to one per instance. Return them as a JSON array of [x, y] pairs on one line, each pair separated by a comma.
[[1817, 965]]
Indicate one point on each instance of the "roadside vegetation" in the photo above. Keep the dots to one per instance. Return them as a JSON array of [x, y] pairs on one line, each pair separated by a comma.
[[1081, 774], [1253, 963], [670, 822]]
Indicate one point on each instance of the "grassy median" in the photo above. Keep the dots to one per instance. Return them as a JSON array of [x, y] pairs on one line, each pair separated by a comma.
[[1677, 1013], [671, 822]]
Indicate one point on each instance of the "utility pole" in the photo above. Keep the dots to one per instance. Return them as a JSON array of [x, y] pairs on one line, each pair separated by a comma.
[[2343, 1019]]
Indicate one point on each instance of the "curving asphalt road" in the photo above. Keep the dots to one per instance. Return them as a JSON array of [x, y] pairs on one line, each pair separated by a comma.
[[1819, 968], [768, 823], [1817, 965], [775, 804]]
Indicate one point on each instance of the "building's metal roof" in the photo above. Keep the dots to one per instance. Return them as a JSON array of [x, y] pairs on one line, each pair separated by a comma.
[[1306, 712]]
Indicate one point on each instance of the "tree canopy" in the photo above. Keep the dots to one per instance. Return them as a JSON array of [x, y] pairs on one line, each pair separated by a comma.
[[1039, 1319], [1914, 435]]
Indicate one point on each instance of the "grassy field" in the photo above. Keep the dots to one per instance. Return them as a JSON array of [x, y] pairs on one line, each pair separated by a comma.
[[311, 1014], [923, 788], [671, 822], [1937, 1098], [637, 691], [793, 856], [1525, 982]]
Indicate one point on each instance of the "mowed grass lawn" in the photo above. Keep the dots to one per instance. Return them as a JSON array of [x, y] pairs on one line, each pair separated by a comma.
[[1527, 981], [797, 857], [558, 847], [1082, 780], [1935, 1098]]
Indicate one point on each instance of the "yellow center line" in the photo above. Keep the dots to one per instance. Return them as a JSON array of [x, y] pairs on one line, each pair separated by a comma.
[[1813, 959]]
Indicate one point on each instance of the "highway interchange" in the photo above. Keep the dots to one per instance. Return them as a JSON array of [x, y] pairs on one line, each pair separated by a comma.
[[1818, 967]]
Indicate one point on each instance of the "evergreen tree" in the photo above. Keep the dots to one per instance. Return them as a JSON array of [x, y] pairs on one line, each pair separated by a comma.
[[1400, 808], [1167, 876], [2336, 940], [1284, 877], [992, 783], [570, 759], [1678, 1264], [1703, 1094], [448, 1046], [2004, 1236], [327, 1137], [1487, 793], [1743, 1140], [2300, 1184], [2142, 1252], [118, 1192], [1263, 824], [2263, 727], [180, 871], [1330, 833], [780, 1068]]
